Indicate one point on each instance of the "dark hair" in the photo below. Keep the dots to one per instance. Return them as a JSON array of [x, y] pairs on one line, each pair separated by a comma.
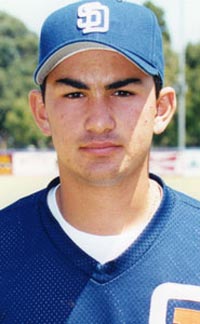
[[158, 84], [43, 89], [157, 81]]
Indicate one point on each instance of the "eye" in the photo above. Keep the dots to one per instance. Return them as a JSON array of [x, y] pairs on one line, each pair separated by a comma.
[[74, 95], [123, 93]]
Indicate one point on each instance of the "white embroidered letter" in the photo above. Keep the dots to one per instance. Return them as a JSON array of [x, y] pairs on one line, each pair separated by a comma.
[[93, 17]]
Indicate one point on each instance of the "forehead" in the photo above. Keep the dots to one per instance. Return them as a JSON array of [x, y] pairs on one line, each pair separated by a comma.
[[97, 62]]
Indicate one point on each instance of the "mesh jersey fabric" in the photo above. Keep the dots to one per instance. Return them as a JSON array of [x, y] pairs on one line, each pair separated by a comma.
[[45, 278]]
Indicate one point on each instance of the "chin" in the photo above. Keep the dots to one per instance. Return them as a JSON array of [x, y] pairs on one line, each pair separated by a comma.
[[103, 180]]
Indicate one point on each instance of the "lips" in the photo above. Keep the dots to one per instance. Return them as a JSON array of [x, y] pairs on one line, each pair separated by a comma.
[[100, 148]]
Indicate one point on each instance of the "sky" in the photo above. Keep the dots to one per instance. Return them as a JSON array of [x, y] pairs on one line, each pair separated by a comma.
[[182, 16]]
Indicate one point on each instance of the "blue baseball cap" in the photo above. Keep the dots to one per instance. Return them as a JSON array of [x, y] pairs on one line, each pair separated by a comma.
[[116, 25]]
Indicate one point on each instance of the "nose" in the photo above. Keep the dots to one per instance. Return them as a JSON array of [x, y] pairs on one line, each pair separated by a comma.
[[100, 118]]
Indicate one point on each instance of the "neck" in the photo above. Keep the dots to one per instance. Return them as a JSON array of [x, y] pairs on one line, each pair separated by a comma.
[[108, 210]]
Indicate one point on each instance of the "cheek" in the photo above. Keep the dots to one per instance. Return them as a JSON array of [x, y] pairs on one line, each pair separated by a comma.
[[62, 130], [63, 119], [140, 126], [139, 118]]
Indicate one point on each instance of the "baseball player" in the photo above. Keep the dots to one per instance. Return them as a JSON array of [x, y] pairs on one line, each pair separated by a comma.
[[106, 242]]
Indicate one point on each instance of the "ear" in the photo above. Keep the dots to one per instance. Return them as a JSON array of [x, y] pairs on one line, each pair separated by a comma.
[[166, 107], [39, 111]]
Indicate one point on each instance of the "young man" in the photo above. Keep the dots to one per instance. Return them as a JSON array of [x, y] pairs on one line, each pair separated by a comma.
[[106, 242]]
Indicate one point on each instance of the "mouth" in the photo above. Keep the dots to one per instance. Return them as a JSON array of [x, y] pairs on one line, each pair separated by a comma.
[[100, 148]]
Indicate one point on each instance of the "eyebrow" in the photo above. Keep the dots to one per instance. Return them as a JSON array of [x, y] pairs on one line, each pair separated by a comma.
[[82, 86], [73, 83], [123, 83]]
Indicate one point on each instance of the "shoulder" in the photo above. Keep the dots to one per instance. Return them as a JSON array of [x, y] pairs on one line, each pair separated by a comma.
[[27, 204], [185, 200], [25, 208], [19, 223], [179, 204], [25, 211], [22, 205], [185, 214], [21, 227], [179, 198]]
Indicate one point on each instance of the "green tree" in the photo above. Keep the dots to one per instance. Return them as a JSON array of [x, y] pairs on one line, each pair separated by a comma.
[[18, 56], [193, 95]]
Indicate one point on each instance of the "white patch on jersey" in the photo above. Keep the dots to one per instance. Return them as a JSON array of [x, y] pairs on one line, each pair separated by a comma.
[[169, 291], [93, 17]]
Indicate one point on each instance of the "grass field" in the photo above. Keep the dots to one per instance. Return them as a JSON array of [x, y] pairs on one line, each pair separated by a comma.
[[13, 187]]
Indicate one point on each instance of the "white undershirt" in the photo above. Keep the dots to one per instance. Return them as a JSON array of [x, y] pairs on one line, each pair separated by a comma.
[[101, 248]]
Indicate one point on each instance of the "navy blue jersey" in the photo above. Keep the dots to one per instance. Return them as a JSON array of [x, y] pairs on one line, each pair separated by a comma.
[[46, 279]]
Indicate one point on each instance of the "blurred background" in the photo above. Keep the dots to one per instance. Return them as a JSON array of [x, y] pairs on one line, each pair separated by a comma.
[[27, 158]]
